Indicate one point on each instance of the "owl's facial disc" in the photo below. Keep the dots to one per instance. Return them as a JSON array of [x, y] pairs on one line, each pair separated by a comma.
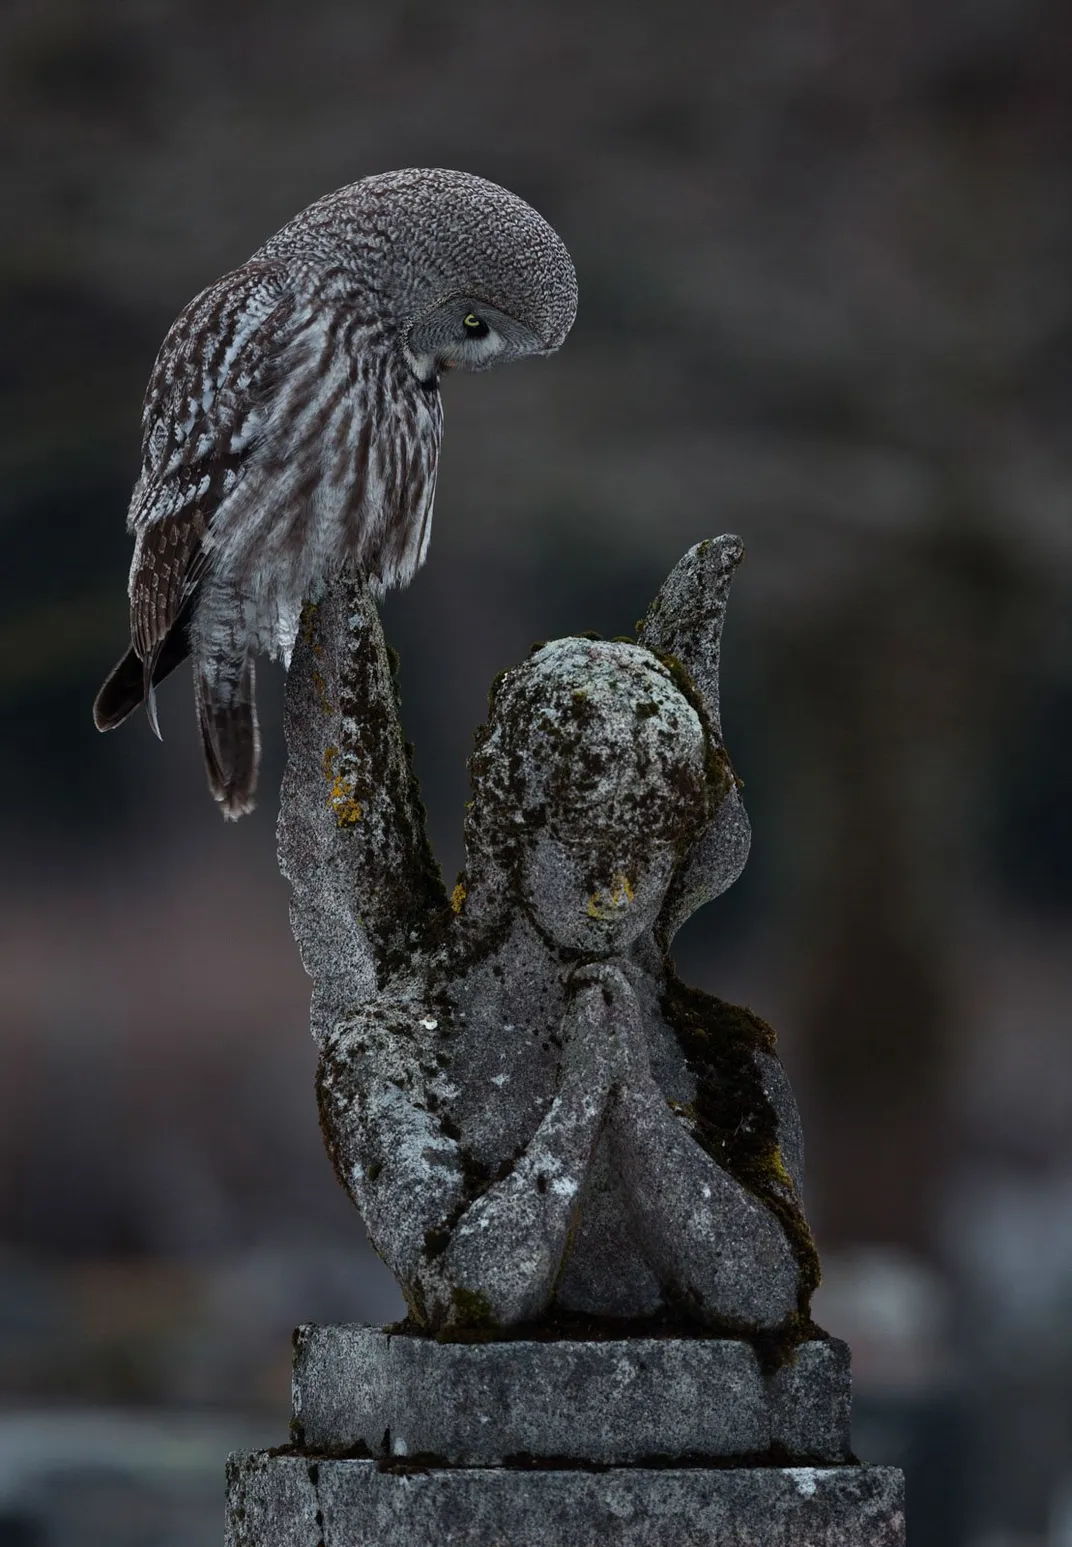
[[467, 334]]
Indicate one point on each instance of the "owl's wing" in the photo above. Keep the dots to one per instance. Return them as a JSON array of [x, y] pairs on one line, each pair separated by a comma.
[[202, 413]]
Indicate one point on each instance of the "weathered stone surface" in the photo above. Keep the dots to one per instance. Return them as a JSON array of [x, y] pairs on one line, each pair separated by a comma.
[[605, 1402], [811, 1402], [532, 1113], [292, 1501]]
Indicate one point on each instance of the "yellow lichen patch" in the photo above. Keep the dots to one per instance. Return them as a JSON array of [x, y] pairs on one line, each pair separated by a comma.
[[458, 896], [320, 684], [620, 895], [777, 1165], [340, 792]]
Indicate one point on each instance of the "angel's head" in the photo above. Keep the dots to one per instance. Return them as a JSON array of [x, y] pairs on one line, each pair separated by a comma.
[[591, 785]]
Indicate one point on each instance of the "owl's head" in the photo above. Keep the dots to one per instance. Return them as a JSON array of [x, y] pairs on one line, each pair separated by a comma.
[[463, 273], [493, 282]]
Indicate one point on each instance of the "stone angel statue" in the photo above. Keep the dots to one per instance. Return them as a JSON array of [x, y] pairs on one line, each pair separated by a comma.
[[537, 1120]]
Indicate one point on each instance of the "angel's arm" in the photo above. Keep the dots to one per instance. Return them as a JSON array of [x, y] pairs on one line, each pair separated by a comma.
[[462, 1253], [503, 1255], [709, 1239], [352, 839]]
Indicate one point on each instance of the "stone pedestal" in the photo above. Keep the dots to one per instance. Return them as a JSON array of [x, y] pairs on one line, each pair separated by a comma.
[[286, 1501], [650, 1442]]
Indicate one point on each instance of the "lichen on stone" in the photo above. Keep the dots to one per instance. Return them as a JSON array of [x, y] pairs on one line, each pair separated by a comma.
[[341, 796]]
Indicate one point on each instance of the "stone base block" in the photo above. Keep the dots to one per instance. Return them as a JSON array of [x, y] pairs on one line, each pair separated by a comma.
[[618, 1402], [295, 1501]]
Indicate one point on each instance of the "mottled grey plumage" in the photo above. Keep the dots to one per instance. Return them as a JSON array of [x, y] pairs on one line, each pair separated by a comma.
[[293, 421]]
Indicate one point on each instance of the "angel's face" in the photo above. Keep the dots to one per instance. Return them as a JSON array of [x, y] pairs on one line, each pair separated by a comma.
[[588, 894]]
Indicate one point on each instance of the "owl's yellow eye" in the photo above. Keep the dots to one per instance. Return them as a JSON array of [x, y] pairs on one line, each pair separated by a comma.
[[474, 325]]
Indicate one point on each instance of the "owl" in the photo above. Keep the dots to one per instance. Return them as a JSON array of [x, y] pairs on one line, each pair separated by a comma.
[[292, 425]]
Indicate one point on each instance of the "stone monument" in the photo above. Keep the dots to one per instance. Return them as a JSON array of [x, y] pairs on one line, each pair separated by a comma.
[[585, 1175]]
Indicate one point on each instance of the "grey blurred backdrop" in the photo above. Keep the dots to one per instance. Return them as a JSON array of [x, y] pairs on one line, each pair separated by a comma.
[[825, 262]]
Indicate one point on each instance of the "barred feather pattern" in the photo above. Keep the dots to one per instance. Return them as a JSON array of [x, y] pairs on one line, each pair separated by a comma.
[[286, 432], [320, 448], [282, 439]]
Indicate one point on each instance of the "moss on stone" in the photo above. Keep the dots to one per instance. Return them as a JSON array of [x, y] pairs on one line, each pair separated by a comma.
[[720, 774], [472, 1310], [737, 1125]]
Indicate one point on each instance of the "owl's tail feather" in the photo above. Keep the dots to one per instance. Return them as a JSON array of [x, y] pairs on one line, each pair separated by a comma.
[[229, 737], [124, 687]]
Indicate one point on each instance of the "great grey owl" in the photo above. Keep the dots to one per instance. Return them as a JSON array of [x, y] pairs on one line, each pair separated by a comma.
[[292, 424]]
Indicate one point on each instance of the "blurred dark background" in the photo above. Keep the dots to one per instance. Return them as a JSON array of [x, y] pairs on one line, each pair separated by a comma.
[[825, 259]]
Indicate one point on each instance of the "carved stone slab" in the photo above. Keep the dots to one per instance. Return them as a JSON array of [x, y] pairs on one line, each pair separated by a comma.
[[607, 1402], [289, 1501]]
